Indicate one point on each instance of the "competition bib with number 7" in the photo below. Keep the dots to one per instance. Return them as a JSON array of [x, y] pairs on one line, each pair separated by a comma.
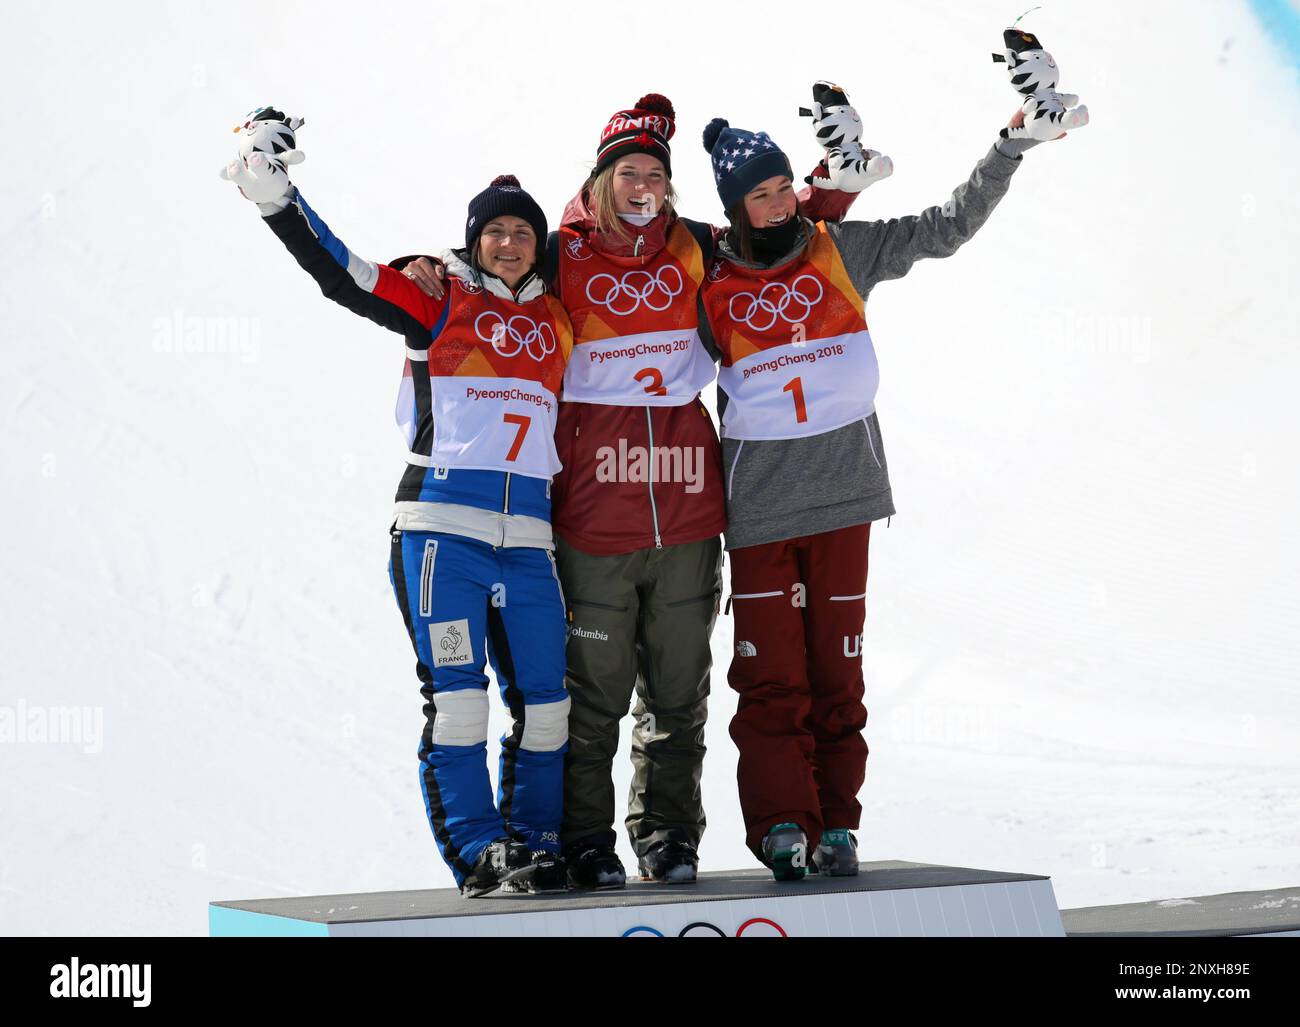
[[489, 384]]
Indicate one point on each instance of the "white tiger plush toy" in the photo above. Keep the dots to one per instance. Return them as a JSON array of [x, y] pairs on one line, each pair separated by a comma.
[[850, 167], [267, 143], [1048, 114]]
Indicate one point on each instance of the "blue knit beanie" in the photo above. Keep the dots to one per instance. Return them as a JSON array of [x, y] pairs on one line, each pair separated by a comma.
[[504, 196], [742, 160]]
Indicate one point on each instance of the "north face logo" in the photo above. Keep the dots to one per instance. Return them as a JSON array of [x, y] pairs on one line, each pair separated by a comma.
[[746, 649]]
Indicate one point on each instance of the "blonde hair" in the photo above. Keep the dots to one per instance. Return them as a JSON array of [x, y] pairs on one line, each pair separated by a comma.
[[598, 191]]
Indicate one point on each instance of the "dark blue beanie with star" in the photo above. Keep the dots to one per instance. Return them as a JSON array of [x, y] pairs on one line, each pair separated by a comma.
[[742, 160]]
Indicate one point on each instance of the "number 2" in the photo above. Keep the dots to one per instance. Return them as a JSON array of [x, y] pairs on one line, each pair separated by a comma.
[[655, 379], [795, 387], [522, 421]]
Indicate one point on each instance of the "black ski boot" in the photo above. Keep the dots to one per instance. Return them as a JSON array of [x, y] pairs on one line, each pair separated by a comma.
[[596, 866], [836, 854], [785, 851], [549, 875], [671, 861], [502, 860]]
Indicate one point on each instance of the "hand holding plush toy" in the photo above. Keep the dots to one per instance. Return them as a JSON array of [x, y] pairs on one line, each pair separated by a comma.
[[849, 166], [1034, 74], [267, 144]]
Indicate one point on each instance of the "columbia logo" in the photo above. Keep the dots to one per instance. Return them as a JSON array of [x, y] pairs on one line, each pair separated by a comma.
[[746, 649], [584, 633]]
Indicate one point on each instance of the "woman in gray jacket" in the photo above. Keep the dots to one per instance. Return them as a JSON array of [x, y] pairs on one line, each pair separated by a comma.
[[783, 309]]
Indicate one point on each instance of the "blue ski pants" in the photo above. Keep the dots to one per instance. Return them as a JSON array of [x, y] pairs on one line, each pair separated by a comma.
[[464, 603]]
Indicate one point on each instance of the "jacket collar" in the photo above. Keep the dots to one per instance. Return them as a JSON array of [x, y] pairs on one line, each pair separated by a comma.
[[726, 251], [458, 266], [644, 241]]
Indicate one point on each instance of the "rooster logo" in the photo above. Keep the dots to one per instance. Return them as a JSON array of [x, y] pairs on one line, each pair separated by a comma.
[[451, 640]]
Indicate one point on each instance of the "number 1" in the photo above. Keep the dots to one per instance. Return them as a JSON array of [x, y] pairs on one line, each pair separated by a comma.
[[795, 387]]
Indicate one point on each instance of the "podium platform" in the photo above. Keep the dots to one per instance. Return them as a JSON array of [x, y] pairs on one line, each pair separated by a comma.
[[1273, 914], [886, 899]]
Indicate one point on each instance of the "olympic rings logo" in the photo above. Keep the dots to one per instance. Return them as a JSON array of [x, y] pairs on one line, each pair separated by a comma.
[[624, 296], [519, 332], [774, 301], [759, 926]]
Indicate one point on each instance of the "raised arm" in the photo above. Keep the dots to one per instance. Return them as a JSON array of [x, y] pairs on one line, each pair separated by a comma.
[[846, 170], [876, 251], [825, 204], [375, 291], [372, 290], [849, 166]]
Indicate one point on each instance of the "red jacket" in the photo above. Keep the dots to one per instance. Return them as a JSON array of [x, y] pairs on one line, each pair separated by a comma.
[[606, 514], [610, 516]]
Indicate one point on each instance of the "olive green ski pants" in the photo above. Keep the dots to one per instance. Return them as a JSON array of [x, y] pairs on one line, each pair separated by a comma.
[[638, 622]]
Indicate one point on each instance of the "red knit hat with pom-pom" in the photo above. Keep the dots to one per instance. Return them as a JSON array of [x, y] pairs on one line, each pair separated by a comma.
[[645, 127]]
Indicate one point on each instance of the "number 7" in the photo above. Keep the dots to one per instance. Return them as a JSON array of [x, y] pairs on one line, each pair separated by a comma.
[[522, 421]]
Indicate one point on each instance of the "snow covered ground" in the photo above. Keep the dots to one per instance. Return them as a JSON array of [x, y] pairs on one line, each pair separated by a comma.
[[1082, 649]]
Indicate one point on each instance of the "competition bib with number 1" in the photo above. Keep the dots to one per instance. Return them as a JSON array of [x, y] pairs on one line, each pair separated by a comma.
[[797, 358]]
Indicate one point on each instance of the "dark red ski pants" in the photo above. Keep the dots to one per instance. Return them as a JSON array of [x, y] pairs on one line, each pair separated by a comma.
[[799, 608]]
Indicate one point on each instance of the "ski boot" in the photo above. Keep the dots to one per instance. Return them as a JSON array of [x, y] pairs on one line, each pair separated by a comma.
[[836, 855], [785, 851], [596, 866], [549, 875], [501, 861], [671, 861]]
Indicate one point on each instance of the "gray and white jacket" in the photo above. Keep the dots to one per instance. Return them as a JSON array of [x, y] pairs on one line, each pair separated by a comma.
[[787, 488]]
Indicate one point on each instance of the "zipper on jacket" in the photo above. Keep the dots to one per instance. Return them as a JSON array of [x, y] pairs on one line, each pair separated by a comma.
[[636, 250], [505, 514], [650, 479]]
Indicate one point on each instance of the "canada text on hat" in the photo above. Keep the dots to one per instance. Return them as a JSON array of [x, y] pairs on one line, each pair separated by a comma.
[[643, 128]]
